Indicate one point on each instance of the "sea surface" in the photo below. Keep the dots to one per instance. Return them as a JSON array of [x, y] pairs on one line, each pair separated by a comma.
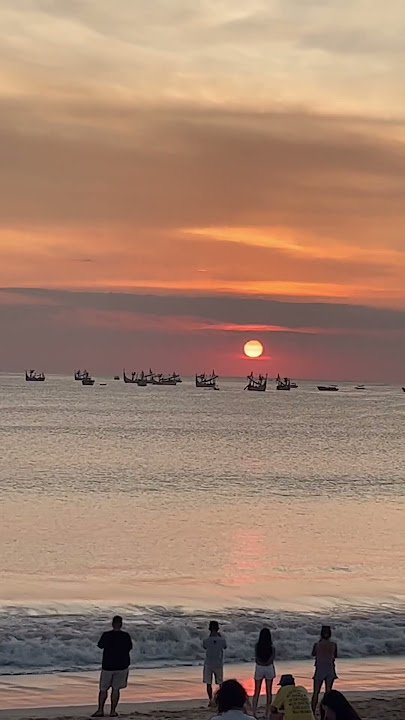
[[172, 505]]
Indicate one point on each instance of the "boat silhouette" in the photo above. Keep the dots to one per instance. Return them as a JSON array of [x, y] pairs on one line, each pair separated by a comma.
[[33, 376]]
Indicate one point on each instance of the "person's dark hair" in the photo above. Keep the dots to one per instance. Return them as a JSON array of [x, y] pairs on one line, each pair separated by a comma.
[[214, 626], [264, 646], [117, 620], [338, 703], [231, 696], [326, 632]]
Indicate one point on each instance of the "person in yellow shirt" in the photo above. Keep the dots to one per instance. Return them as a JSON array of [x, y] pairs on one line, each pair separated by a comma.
[[291, 702]]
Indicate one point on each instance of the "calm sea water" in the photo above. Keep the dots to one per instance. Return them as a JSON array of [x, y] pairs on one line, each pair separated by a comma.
[[169, 503]]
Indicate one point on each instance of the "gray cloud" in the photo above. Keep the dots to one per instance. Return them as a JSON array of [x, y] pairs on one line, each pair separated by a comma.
[[242, 309]]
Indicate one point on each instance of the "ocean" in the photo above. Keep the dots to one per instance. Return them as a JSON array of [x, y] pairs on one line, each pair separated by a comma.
[[175, 505]]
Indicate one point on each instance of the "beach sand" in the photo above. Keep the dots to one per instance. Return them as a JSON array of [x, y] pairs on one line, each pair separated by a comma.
[[370, 706]]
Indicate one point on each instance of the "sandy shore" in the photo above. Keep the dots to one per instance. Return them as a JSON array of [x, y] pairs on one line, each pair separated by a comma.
[[370, 706]]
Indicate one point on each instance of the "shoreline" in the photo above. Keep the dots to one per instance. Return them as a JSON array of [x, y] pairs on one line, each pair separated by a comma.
[[378, 705], [73, 695]]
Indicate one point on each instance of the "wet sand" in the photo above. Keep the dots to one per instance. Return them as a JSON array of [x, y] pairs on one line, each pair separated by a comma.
[[370, 706]]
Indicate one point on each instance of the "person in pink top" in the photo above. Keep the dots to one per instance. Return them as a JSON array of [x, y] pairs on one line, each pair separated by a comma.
[[325, 653]]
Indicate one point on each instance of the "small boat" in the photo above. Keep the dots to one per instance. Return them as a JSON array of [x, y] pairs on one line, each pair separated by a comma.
[[103, 384], [360, 387], [283, 384], [33, 376], [117, 377], [164, 380], [81, 374], [133, 379], [258, 384], [206, 381], [141, 379], [293, 385], [88, 381], [403, 389], [327, 388]]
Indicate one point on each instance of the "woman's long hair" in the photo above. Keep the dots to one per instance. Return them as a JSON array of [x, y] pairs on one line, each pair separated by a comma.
[[338, 703], [264, 646], [231, 696]]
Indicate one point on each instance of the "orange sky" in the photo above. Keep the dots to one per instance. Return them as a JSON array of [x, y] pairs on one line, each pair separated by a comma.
[[247, 160]]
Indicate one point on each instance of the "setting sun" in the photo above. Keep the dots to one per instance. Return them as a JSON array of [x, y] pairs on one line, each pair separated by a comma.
[[253, 349]]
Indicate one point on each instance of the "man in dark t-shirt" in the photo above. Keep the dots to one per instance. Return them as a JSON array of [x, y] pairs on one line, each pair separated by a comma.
[[116, 646]]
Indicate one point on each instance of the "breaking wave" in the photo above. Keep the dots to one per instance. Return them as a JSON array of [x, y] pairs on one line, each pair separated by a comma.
[[35, 640]]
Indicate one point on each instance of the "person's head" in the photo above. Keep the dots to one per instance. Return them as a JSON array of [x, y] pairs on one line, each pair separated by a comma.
[[231, 696], [287, 680], [336, 707], [117, 622], [214, 626], [326, 632], [264, 646]]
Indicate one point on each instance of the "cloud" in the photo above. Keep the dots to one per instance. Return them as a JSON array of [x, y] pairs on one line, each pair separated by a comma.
[[225, 309]]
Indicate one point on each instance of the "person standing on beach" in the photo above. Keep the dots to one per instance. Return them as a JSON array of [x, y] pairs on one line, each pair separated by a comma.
[[264, 670], [116, 645], [214, 646], [325, 653]]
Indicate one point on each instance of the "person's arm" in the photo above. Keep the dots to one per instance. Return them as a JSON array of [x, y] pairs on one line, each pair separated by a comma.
[[204, 644], [101, 642], [336, 651], [130, 645], [314, 650], [278, 702], [273, 655], [224, 645]]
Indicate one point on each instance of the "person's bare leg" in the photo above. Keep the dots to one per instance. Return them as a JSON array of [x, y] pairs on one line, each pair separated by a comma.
[[258, 687], [209, 693], [115, 698], [102, 697], [269, 697], [329, 684], [315, 696]]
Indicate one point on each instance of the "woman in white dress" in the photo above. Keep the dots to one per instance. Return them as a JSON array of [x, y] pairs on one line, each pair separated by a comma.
[[264, 670]]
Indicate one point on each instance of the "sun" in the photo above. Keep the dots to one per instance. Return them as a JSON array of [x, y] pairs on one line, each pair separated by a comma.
[[253, 349]]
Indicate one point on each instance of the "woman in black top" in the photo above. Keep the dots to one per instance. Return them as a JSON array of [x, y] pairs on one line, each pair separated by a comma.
[[264, 656]]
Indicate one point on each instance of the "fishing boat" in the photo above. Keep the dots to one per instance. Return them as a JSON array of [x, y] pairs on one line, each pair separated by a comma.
[[360, 387], [283, 383], [88, 381], [33, 376], [176, 377], [207, 381], [81, 374], [130, 379], [293, 385], [258, 384], [164, 380], [117, 377], [327, 388], [403, 389], [141, 379]]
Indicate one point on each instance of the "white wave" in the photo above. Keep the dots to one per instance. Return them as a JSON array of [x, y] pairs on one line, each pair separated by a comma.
[[44, 641]]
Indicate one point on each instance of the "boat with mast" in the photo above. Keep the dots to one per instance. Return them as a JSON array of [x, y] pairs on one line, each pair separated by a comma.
[[33, 376], [132, 379], [283, 383], [81, 374], [258, 384], [167, 380], [209, 382]]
